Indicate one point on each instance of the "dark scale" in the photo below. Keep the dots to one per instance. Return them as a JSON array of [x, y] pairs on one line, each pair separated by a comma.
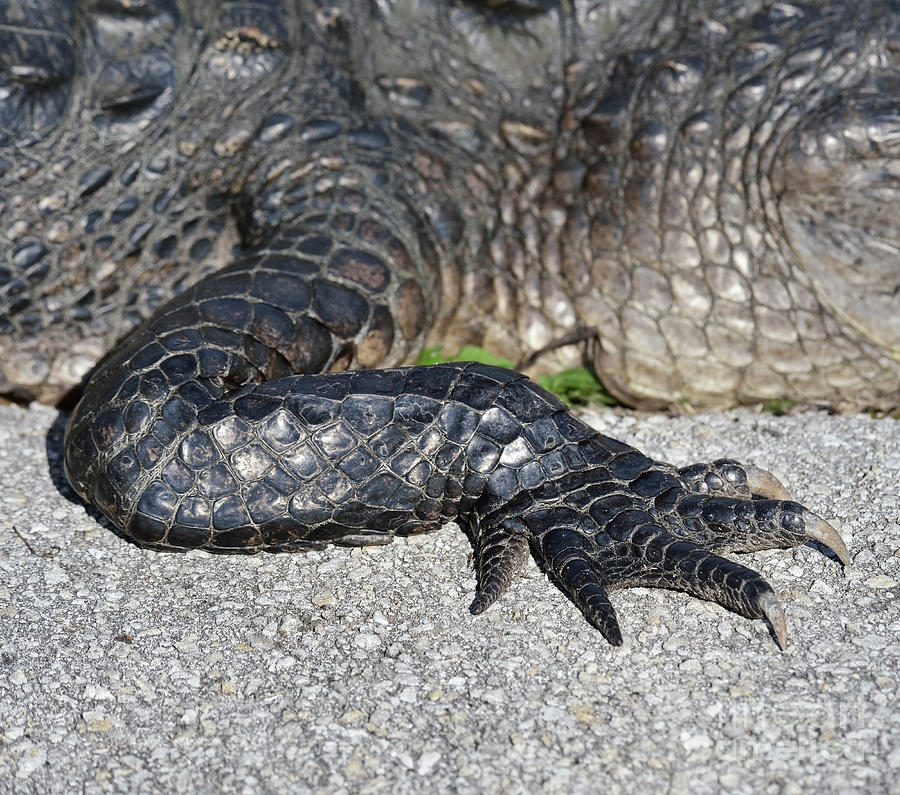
[[263, 211]]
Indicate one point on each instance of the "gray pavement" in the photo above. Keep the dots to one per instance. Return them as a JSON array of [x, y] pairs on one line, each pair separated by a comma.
[[123, 670]]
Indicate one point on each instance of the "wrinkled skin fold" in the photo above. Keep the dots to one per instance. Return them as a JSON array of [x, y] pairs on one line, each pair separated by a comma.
[[256, 208]]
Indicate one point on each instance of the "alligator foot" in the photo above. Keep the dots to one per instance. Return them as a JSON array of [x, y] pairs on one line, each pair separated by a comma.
[[657, 527]]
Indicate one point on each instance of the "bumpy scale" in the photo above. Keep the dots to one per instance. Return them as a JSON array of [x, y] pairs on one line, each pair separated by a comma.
[[487, 186]]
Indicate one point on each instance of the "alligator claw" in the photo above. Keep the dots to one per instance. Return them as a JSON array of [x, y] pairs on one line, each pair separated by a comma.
[[765, 484], [819, 530], [771, 608]]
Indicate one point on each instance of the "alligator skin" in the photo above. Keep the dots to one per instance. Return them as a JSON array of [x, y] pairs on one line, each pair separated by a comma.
[[702, 187]]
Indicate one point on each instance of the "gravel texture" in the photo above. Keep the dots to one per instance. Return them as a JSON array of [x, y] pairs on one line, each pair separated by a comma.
[[362, 671]]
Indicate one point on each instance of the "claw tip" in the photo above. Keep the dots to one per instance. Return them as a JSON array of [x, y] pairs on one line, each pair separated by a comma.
[[478, 606], [819, 530], [771, 609], [765, 484]]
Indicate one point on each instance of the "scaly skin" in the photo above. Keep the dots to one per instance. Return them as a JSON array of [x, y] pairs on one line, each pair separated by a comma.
[[493, 173], [709, 185], [178, 462]]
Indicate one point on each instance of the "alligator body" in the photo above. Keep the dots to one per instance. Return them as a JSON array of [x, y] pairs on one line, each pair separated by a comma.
[[256, 193]]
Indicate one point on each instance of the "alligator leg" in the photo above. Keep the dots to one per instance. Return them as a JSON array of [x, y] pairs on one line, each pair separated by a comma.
[[245, 414]]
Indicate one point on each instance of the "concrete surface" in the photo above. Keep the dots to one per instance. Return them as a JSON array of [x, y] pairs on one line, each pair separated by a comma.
[[362, 671]]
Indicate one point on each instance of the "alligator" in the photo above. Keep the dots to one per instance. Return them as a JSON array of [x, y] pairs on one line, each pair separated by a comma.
[[265, 210]]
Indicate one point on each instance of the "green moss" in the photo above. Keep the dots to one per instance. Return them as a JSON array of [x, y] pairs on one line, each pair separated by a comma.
[[468, 353], [778, 407], [577, 386]]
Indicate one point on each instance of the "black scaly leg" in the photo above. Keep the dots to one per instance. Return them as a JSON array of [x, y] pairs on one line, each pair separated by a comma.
[[303, 460]]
